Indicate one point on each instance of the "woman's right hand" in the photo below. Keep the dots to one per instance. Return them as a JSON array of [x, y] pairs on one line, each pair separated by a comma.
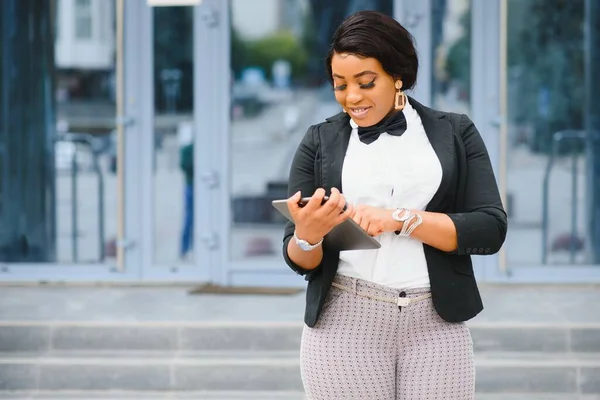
[[315, 220]]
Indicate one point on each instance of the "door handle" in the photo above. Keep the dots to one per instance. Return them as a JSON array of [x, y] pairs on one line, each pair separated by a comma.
[[211, 179], [211, 240]]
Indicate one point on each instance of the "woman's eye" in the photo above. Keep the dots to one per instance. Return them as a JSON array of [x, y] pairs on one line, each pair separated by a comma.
[[368, 85], [360, 85]]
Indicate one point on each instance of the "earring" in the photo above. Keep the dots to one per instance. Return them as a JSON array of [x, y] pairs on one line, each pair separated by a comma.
[[400, 97], [344, 110]]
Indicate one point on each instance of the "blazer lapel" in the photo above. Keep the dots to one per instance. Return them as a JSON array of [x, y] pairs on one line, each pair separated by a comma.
[[335, 137], [441, 136]]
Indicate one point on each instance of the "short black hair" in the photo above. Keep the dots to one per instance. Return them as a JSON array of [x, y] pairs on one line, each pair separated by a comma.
[[371, 34]]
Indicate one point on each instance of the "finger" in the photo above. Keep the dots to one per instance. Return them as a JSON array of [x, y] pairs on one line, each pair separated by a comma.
[[331, 204], [352, 210], [348, 214], [292, 202], [337, 204], [357, 218], [342, 204], [315, 200], [373, 230], [364, 223], [360, 209]]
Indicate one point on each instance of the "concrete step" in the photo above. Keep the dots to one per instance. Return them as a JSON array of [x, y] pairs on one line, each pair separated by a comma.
[[531, 396], [497, 373], [137, 395], [530, 372], [233, 395], [41, 337], [150, 373]]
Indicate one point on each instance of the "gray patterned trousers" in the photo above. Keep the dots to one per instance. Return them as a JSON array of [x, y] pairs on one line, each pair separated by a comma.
[[374, 350]]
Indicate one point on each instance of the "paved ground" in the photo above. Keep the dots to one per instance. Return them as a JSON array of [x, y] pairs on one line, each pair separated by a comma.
[[505, 304], [256, 396]]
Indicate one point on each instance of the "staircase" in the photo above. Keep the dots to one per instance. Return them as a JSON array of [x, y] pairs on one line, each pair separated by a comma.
[[259, 360]]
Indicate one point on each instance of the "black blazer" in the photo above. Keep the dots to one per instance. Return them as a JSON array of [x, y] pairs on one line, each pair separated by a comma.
[[468, 193]]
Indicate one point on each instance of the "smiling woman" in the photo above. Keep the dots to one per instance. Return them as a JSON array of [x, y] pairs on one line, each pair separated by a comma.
[[368, 95], [421, 182], [367, 79]]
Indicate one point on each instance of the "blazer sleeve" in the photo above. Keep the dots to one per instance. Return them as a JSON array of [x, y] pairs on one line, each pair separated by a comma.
[[301, 178], [482, 223]]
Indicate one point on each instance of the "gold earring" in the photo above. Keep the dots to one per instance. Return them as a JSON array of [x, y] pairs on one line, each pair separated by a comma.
[[400, 102]]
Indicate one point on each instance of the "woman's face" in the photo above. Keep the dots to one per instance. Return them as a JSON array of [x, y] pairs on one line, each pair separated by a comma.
[[362, 88]]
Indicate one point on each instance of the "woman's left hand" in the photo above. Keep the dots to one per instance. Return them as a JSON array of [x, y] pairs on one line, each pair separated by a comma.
[[375, 220]]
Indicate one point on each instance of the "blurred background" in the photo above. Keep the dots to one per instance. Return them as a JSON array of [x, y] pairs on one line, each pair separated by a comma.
[[141, 147]]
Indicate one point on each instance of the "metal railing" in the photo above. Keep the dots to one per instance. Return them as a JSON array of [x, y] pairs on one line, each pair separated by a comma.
[[97, 147], [558, 137]]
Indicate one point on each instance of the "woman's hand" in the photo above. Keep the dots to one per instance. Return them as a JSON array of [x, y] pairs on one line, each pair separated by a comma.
[[315, 220], [375, 220]]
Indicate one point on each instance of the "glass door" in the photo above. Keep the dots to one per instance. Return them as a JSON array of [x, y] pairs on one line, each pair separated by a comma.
[[173, 137], [63, 211], [551, 158], [278, 88], [167, 158]]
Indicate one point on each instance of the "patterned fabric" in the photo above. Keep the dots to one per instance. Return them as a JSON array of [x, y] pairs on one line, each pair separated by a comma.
[[373, 350]]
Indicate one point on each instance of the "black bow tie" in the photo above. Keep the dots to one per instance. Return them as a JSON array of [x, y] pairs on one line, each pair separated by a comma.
[[394, 124]]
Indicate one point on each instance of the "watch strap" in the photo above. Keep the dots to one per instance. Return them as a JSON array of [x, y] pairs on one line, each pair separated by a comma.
[[306, 245]]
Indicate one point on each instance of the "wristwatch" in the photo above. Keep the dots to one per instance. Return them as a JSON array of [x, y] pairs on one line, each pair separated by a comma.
[[306, 246]]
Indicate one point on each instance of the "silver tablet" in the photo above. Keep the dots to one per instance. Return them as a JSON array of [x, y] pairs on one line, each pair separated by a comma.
[[346, 236]]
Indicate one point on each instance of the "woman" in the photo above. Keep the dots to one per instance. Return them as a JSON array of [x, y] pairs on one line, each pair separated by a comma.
[[389, 323]]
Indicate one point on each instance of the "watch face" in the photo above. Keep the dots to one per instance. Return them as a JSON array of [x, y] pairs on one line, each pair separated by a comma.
[[304, 245]]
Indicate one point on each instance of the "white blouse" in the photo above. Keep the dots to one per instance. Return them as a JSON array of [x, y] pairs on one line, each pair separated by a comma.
[[392, 172]]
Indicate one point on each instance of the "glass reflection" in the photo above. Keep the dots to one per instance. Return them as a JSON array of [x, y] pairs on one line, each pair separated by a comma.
[[451, 38], [173, 135], [552, 183], [279, 89], [85, 149]]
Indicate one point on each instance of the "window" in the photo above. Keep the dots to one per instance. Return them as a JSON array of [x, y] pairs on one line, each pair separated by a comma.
[[279, 80], [551, 164], [451, 36], [83, 19]]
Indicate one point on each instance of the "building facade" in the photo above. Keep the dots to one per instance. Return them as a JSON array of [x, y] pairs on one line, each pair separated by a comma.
[[146, 144]]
